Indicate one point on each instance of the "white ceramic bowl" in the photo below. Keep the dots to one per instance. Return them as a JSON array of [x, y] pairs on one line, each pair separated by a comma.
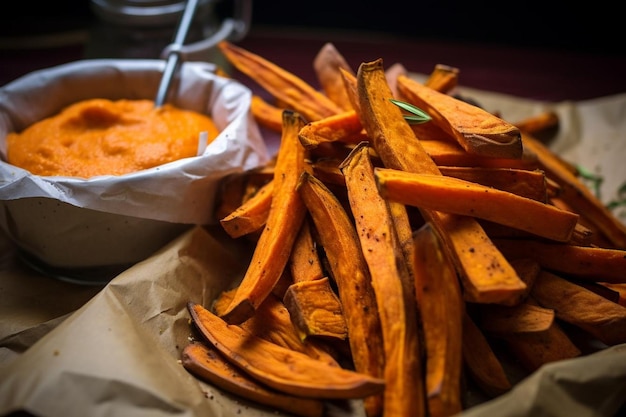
[[88, 230]]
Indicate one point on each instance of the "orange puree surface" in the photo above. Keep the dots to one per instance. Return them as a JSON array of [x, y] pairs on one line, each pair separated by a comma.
[[104, 137]]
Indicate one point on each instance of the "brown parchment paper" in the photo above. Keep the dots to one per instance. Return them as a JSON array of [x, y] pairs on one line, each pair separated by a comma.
[[118, 353], [71, 350]]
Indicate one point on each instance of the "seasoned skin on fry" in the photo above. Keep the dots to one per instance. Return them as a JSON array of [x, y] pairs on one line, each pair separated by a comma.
[[208, 364], [283, 369]]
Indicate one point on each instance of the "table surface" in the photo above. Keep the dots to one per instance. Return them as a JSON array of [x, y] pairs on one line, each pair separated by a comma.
[[546, 74]]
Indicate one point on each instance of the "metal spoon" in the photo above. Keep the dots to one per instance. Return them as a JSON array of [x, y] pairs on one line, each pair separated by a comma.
[[173, 56]]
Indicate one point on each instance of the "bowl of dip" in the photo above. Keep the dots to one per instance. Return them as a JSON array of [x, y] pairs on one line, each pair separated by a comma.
[[94, 178]]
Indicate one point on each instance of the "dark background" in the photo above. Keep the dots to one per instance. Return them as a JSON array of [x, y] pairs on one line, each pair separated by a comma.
[[542, 50], [592, 26], [595, 26]]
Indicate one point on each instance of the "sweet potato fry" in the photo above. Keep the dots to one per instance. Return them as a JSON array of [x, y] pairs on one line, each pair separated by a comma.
[[485, 278], [330, 150], [229, 195], [304, 261], [581, 236], [441, 305], [475, 129], [577, 195], [528, 271], [296, 93], [266, 114], [583, 262], [600, 289], [272, 322], [398, 211], [345, 127], [326, 65], [384, 121], [444, 152], [404, 223], [552, 162], [282, 369], [286, 214], [525, 183], [430, 131], [396, 145], [327, 170], [391, 280], [315, 310], [536, 349], [620, 288], [222, 301], [495, 212], [349, 80], [588, 232], [208, 364], [251, 215], [538, 123], [553, 188], [349, 270], [581, 307], [453, 195], [443, 78], [480, 360], [258, 177], [391, 73], [521, 318]]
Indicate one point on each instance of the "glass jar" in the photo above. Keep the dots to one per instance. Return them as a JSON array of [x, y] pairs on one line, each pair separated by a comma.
[[142, 29]]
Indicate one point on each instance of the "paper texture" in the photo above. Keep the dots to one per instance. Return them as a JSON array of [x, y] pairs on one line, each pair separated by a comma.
[[68, 350], [118, 353]]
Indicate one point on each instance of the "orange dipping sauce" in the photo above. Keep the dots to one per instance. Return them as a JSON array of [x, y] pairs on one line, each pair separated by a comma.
[[104, 137]]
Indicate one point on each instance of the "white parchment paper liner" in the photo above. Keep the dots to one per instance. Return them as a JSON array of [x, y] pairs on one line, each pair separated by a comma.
[[178, 192]]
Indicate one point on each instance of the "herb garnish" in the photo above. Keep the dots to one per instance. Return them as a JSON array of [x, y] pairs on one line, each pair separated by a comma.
[[621, 194], [417, 116], [594, 181]]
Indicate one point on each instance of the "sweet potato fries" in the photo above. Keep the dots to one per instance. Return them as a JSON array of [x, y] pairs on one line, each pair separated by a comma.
[[404, 257]]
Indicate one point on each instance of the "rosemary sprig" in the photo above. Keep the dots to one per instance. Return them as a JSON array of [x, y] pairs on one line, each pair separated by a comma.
[[417, 116], [621, 198], [593, 180]]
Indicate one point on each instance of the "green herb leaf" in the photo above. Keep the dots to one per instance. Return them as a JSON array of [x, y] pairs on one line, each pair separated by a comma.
[[621, 201], [418, 116], [612, 205], [594, 181]]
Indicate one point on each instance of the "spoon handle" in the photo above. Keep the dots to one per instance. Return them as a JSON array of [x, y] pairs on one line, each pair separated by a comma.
[[173, 57]]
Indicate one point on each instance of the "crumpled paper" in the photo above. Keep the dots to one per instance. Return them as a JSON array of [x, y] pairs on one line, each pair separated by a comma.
[[115, 349], [119, 352], [178, 192]]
